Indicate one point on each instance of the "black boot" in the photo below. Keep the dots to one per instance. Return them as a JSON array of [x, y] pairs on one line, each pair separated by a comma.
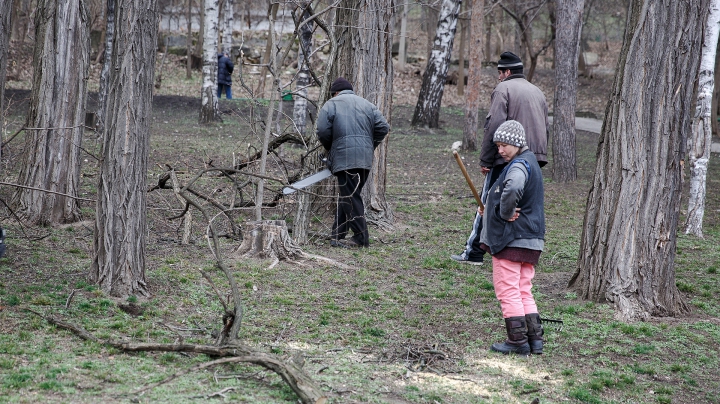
[[535, 333], [517, 341]]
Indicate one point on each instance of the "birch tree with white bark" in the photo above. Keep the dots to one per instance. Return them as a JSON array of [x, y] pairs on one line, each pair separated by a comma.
[[228, 21], [209, 104], [427, 110], [52, 147], [699, 144]]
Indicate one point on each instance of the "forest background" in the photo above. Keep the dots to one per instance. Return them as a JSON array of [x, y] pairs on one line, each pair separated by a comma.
[[398, 323]]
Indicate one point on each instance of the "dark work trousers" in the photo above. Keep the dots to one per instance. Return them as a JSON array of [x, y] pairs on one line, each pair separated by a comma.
[[350, 210], [472, 247]]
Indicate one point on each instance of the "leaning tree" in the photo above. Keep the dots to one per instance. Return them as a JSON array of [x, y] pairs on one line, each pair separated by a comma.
[[363, 30], [118, 266], [627, 249], [427, 109], [56, 116]]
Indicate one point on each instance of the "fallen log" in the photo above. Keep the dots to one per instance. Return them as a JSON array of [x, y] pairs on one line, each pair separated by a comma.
[[290, 372]]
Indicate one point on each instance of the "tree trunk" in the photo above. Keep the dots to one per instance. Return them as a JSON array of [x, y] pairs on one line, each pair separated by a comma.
[[627, 249], [200, 45], [699, 145], [427, 110], [120, 228], [402, 50], [209, 105], [567, 45], [365, 58], [303, 77], [5, 32], [272, 14], [274, 94], [52, 147], [228, 21], [188, 65], [474, 91], [105, 73], [461, 56], [300, 225]]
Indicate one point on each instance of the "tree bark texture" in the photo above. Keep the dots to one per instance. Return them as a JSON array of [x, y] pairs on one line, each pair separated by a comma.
[[105, 72], [364, 36], [5, 31], [627, 249], [209, 102], [567, 47], [228, 22], [427, 110], [474, 88], [56, 114], [120, 227], [699, 145]]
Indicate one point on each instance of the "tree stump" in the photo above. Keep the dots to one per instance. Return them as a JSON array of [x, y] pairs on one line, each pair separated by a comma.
[[268, 239]]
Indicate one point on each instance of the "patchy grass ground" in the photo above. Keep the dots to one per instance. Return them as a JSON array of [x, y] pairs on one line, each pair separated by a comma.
[[406, 325]]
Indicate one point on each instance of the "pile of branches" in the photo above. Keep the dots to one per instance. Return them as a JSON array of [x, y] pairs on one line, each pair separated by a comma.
[[436, 358]]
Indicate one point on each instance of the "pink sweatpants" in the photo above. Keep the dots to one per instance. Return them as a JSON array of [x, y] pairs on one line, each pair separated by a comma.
[[513, 281]]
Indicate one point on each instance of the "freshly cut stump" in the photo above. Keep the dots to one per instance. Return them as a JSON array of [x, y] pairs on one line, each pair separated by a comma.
[[268, 239]]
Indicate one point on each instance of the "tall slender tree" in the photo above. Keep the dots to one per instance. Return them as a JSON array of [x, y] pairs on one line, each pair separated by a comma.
[[52, 148], [209, 104], [303, 76], [5, 31], [699, 145], [627, 249], [364, 35], [567, 49], [427, 109], [474, 90], [118, 266], [105, 72]]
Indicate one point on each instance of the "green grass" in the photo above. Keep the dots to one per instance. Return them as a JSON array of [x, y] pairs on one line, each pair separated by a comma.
[[354, 327]]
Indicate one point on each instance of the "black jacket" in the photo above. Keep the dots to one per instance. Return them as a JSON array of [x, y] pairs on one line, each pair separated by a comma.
[[225, 69], [350, 127]]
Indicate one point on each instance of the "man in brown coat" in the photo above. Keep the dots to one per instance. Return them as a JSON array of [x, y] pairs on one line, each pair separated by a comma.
[[514, 98]]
